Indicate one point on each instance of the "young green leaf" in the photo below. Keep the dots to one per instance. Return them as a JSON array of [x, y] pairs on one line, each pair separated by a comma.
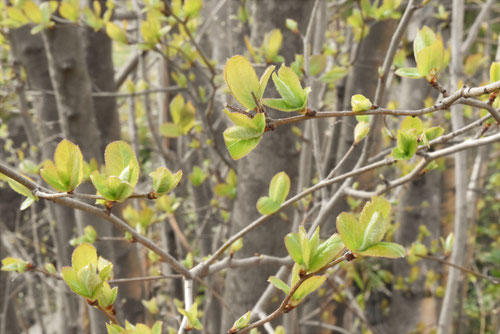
[[292, 25], [164, 181], [241, 139], [242, 81], [84, 255], [22, 190], [408, 72], [360, 131], [279, 284], [293, 97], [14, 264], [116, 33], [495, 71], [384, 249], [118, 156], [272, 45], [373, 221], [197, 176], [278, 191], [317, 64], [349, 230], [308, 286], [326, 252], [336, 73], [242, 322], [360, 103], [292, 243], [407, 146], [67, 172]]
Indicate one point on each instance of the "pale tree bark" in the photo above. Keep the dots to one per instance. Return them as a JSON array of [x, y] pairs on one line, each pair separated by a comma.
[[66, 61], [29, 51], [276, 152], [460, 159]]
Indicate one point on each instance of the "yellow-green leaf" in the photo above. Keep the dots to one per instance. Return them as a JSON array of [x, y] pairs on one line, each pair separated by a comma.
[[118, 156], [242, 80], [360, 103], [83, 255]]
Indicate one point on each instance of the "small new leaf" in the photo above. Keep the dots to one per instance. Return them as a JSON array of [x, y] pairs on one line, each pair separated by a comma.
[[360, 103]]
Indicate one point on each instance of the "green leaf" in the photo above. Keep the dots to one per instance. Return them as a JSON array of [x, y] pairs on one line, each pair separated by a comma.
[[373, 221], [67, 172], [14, 264], [360, 103], [425, 37], [317, 64], [118, 156], [308, 286], [69, 163], [350, 231], [241, 80], [267, 206], [164, 181], [272, 44], [264, 79], [240, 140], [121, 190], [69, 11], [170, 130], [183, 114], [360, 131], [279, 284], [197, 176], [70, 277], [432, 133], [430, 58], [279, 187], [107, 296], [408, 72], [305, 245], [32, 11], [89, 281], [292, 243], [116, 33], [288, 85], [84, 255], [278, 191], [495, 71], [326, 252], [192, 7], [280, 104], [292, 25], [412, 124], [114, 329], [334, 74], [407, 146], [473, 62], [20, 189], [384, 249], [242, 322], [27, 203]]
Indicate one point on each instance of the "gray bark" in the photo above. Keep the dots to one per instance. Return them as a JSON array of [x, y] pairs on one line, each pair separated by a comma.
[[28, 50], [275, 153]]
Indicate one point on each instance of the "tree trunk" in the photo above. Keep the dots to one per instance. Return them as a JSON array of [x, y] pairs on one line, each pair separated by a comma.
[[29, 51], [275, 153]]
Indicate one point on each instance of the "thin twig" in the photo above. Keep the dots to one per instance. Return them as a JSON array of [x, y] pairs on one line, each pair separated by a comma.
[[463, 269]]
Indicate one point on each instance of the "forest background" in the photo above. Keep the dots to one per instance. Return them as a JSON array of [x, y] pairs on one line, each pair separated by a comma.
[[397, 137]]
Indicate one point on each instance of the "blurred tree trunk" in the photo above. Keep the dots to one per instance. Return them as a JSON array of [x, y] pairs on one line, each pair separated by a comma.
[[29, 51], [275, 153]]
